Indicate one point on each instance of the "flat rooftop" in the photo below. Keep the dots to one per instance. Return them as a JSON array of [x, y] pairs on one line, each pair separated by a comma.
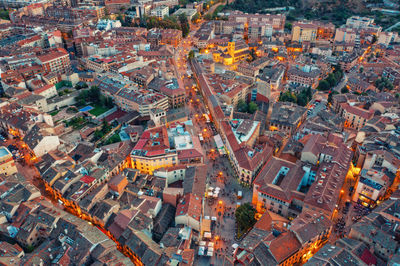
[[4, 152], [243, 129]]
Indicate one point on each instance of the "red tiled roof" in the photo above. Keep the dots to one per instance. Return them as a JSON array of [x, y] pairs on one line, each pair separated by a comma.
[[44, 88], [189, 205], [154, 141], [115, 115], [87, 179], [284, 246], [367, 114], [60, 52], [121, 221], [368, 257], [189, 153]]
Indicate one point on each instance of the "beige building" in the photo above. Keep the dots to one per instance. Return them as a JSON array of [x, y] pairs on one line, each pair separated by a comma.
[[371, 187], [7, 164], [304, 32], [346, 35]]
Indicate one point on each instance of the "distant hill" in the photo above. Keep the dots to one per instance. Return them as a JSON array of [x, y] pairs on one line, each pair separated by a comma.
[[332, 10]]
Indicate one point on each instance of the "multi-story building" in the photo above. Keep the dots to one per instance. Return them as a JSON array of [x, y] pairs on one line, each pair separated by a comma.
[[56, 61], [385, 38], [277, 188], [160, 12], [270, 80], [164, 36], [258, 30], [19, 3], [345, 35], [348, 61], [47, 91], [371, 187], [161, 148], [188, 211], [172, 89], [277, 21], [287, 117], [359, 22], [307, 76], [229, 91], [188, 12], [304, 32], [246, 156], [140, 100], [7, 164], [355, 116], [358, 85], [115, 6], [325, 30], [233, 53]]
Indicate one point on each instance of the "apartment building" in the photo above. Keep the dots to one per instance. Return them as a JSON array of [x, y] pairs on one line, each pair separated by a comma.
[[304, 32], [160, 12], [56, 61], [371, 187], [306, 76]]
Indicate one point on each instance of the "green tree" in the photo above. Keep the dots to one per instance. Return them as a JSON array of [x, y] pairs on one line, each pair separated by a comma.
[[288, 26], [287, 96], [384, 84], [4, 14], [302, 99], [252, 107], [94, 94], [191, 54], [245, 217], [331, 79], [184, 25], [337, 74], [344, 90], [208, 16], [241, 106], [109, 102], [105, 127], [323, 85]]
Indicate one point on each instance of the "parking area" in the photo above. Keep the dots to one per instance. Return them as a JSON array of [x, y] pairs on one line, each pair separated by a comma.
[[315, 107]]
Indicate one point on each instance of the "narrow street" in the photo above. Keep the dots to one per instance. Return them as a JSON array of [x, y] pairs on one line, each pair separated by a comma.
[[220, 173]]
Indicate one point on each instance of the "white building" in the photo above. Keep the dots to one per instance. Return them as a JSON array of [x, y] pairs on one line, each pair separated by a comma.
[[108, 24], [189, 12], [160, 11], [41, 141], [371, 186], [385, 38], [47, 91], [171, 174], [189, 211], [359, 22]]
